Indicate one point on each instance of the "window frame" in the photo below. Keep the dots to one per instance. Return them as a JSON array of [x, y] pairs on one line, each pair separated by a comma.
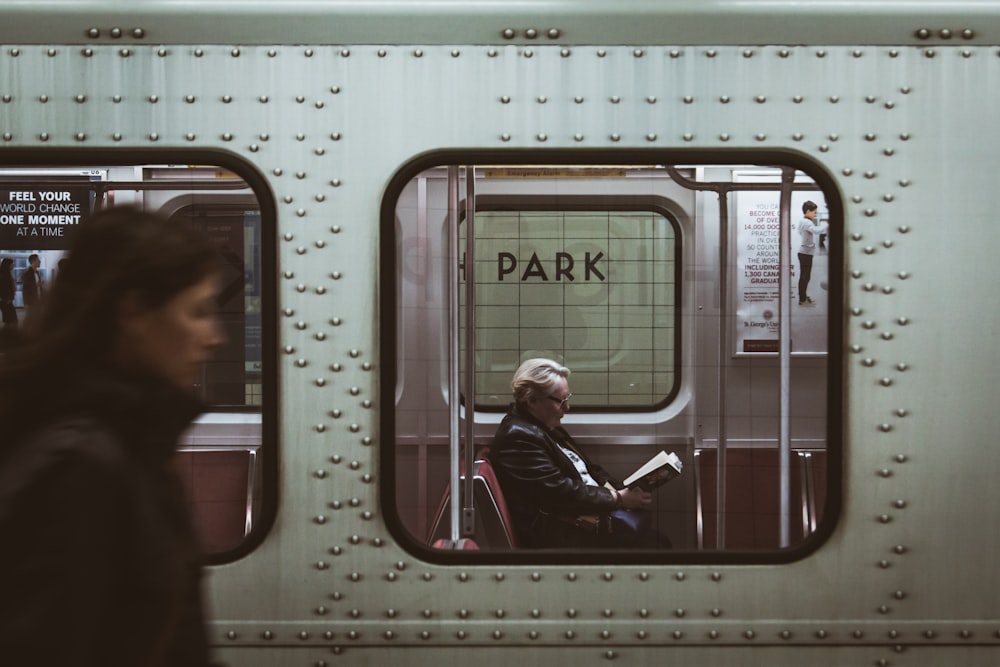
[[388, 314], [268, 448]]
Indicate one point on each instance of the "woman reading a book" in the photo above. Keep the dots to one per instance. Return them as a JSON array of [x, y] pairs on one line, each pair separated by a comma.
[[556, 495]]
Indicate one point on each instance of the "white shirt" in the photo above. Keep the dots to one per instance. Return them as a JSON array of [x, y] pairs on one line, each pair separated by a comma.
[[581, 467], [808, 231]]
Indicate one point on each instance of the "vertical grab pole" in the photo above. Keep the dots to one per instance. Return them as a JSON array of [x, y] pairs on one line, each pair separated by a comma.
[[720, 470], [469, 512], [455, 500], [785, 351]]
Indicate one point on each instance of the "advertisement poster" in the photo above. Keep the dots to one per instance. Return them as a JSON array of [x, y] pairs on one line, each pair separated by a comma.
[[758, 272], [41, 218]]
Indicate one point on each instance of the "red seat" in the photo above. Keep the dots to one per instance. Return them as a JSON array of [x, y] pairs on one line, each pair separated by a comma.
[[493, 529], [461, 545]]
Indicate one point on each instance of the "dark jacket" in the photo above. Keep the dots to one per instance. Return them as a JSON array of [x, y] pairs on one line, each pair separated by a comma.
[[539, 482], [8, 314], [99, 566], [29, 286]]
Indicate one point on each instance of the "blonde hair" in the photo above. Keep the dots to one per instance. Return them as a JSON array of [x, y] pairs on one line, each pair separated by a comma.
[[535, 378]]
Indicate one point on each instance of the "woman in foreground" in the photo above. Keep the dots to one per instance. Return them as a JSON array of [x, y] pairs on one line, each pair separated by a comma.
[[100, 565]]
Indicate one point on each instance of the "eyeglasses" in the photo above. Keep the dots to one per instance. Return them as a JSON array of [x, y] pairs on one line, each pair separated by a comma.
[[563, 402]]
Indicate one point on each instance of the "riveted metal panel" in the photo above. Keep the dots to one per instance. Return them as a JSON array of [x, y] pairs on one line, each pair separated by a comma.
[[415, 22], [905, 133]]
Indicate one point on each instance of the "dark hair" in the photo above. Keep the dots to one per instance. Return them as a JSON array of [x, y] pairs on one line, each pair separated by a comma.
[[6, 263], [116, 252], [809, 206]]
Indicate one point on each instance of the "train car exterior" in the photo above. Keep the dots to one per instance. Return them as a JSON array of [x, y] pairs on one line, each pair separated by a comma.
[[338, 147]]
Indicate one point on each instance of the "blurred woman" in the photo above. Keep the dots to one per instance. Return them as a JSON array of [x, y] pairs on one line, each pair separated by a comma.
[[99, 565]]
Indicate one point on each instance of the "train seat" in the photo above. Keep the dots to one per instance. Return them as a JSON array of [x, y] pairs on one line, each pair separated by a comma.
[[219, 483], [752, 496], [493, 529], [463, 544]]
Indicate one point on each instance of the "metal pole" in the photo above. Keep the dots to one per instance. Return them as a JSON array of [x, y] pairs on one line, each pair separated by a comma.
[[469, 513], [454, 398], [720, 471], [785, 350]]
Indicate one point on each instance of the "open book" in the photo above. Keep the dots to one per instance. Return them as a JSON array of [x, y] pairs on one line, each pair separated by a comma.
[[656, 471]]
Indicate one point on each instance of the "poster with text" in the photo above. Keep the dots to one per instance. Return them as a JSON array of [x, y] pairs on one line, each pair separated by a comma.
[[41, 218], [758, 274]]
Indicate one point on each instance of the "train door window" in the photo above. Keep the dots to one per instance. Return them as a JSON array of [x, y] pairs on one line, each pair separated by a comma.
[[227, 457], [695, 306], [593, 283]]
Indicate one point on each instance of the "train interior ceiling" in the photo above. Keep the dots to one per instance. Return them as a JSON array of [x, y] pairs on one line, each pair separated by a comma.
[[670, 291]]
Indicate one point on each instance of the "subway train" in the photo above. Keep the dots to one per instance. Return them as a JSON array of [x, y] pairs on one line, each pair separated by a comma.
[[395, 187]]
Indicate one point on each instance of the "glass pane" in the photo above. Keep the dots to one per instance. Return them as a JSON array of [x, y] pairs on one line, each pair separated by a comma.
[[596, 289], [221, 456], [672, 296]]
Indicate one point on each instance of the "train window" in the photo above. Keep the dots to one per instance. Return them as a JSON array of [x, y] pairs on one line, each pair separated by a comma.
[[695, 306], [226, 459], [596, 288]]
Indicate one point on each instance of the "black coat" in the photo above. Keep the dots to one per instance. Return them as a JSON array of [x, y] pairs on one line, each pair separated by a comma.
[[539, 482], [99, 566]]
